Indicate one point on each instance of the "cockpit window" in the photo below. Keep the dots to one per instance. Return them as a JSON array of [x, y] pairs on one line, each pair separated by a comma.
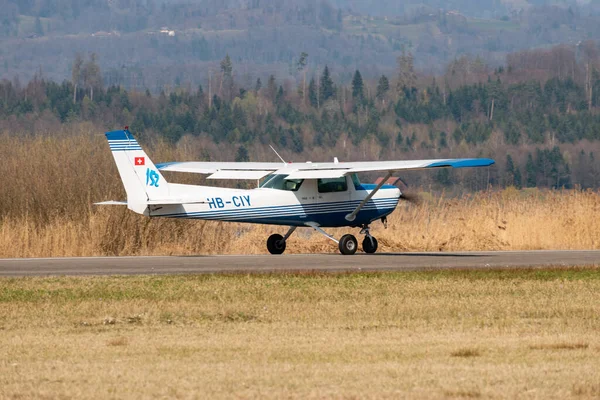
[[328, 185], [280, 183], [356, 181]]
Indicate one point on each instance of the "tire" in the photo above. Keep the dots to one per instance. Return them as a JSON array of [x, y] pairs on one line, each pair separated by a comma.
[[348, 245], [369, 247], [275, 244]]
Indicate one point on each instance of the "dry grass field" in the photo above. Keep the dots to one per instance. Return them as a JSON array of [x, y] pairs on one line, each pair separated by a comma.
[[529, 334], [46, 210]]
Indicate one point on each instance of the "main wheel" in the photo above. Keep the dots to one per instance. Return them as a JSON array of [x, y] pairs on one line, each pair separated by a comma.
[[348, 245], [275, 244], [368, 246]]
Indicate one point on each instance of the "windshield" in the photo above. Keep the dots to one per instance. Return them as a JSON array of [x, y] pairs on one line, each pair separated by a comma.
[[356, 181], [279, 182]]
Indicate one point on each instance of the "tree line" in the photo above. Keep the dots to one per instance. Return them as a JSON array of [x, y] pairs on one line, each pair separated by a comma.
[[546, 130]]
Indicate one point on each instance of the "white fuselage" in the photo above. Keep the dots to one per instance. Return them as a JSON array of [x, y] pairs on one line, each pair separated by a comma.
[[303, 207]]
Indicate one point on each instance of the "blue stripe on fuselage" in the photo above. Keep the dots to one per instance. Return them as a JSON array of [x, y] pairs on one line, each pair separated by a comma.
[[325, 214], [371, 186], [306, 207], [326, 220]]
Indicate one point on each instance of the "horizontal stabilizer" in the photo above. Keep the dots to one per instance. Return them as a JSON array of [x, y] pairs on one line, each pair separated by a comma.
[[173, 202], [111, 203], [151, 202]]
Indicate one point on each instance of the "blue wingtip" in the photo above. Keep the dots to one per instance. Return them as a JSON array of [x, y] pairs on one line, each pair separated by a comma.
[[464, 163]]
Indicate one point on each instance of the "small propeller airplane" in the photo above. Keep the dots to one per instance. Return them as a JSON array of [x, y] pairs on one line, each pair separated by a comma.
[[314, 195]]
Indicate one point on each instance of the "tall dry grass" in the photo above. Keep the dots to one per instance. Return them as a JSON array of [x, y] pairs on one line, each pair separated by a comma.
[[49, 185]]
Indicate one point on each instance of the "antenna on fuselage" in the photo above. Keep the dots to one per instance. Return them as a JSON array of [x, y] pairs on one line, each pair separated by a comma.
[[275, 151]]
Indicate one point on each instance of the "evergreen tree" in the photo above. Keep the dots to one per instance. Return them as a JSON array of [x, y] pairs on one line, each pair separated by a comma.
[[326, 90], [239, 117], [382, 87], [258, 85], [509, 171], [227, 77], [530, 171], [443, 177], [242, 155], [312, 93], [297, 142], [443, 141], [280, 95], [357, 86], [272, 88], [518, 179], [512, 135], [399, 139]]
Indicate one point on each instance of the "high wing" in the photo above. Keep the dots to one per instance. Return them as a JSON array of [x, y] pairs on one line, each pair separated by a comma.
[[254, 170]]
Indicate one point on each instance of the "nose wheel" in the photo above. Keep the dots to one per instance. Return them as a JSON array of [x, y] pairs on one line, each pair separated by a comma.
[[369, 244]]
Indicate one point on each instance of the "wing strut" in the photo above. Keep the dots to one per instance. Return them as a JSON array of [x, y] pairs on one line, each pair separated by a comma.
[[352, 216], [322, 232]]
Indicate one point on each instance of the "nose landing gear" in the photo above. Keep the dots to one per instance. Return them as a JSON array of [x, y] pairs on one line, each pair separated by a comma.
[[369, 243]]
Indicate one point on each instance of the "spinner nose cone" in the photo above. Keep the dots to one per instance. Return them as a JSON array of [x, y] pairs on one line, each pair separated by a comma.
[[397, 193]]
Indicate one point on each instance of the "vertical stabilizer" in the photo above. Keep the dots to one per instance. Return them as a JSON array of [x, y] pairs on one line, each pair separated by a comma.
[[142, 180]]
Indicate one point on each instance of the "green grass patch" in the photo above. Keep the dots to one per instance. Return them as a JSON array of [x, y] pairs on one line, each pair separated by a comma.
[[196, 287], [433, 334]]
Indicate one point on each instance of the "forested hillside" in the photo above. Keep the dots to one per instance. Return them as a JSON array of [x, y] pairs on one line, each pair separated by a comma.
[[152, 43], [537, 115]]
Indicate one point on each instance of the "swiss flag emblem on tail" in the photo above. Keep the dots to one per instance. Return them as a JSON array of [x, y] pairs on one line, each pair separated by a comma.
[[140, 161]]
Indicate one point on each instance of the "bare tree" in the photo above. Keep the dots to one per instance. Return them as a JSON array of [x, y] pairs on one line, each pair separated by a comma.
[[590, 58], [92, 77], [300, 66], [406, 71], [76, 74]]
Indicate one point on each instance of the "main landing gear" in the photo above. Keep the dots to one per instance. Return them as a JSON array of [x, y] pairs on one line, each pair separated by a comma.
[[369, 243], [347, 244]]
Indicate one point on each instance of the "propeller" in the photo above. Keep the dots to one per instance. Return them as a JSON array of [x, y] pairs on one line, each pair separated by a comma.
[[412, 198]]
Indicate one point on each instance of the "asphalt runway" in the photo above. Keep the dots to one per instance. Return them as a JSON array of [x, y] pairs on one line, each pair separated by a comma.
[[291, 263]]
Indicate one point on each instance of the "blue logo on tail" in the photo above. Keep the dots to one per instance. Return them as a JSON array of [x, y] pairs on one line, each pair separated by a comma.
[[152, 177]]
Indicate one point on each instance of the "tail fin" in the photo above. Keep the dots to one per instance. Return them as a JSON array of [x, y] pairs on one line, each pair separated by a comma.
[[142, 180]]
